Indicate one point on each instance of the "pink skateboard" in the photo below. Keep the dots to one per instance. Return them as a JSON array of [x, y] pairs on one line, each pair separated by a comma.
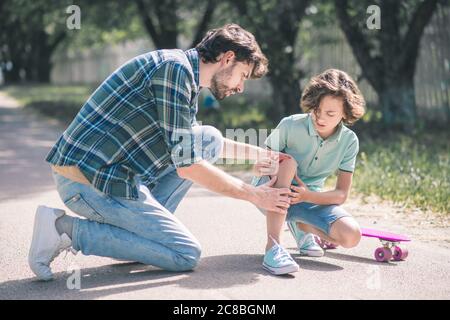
[[390, 241]]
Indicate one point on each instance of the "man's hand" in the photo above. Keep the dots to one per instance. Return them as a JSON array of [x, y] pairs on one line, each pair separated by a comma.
[[214, 179], [272, 199], [268, 163], [300, 193]]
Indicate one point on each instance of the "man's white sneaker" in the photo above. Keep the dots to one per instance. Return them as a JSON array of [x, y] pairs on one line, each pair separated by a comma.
[[46, 243], [306, 242]]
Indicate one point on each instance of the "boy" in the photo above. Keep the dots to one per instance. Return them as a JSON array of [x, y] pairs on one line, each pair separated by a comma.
[[320, 143]]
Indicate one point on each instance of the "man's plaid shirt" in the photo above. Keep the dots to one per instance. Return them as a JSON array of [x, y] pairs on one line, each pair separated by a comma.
[[136, 123]]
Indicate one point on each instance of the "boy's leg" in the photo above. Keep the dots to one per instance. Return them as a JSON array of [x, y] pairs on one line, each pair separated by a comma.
[[331, 223], [346, 231], [275, 221], [276, 259], [311, 229]]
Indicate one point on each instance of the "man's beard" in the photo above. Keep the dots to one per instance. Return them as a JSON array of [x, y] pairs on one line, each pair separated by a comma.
[[218, 88]]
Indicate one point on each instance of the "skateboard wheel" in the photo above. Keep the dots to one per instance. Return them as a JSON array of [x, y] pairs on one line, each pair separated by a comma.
[[400, 254], [383, 254]]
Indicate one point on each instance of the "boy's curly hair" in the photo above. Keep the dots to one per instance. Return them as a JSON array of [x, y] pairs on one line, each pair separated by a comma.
[[336, 83], [232, 37]]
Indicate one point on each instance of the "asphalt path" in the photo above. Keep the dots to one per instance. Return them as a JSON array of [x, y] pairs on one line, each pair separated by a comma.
[[232, 234]]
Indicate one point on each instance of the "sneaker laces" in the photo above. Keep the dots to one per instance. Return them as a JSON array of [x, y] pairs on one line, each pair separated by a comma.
[[280, 253], [67, 250], [64, 246], [309, 240]]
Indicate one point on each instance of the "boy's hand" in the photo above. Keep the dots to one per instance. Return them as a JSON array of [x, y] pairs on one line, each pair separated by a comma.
[[300, 192], [268, 163]]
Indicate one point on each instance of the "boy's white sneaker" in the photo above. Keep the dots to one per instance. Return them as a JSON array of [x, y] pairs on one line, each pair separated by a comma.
[[46, 243]]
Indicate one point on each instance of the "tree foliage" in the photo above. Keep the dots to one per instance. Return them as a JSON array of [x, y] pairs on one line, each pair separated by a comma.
[[388, 56], [276, 26], [30, 33]]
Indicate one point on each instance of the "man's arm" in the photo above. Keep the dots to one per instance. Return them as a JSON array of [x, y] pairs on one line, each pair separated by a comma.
[[238, 150], [266, 160], [218, 181]]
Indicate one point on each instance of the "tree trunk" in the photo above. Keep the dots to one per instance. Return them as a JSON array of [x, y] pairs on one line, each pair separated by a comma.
[[39, 65], [12, 76], [43, 66], [286, 96], [163, 30], [275, 25], [13, 53], [391, 71], [397, 98], [42, 58], [285, 81]]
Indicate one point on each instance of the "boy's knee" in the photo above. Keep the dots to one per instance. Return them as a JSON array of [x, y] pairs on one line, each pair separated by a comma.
[[346, 230], [210, 142], [352, 238], [289, 163]]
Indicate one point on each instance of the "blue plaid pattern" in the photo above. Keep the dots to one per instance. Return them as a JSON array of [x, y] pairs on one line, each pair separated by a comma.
[[136, 123]]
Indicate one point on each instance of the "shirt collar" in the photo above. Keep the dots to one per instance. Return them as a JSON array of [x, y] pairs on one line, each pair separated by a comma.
[[311, 130], [334, 137], [192, 55], [338, 134]]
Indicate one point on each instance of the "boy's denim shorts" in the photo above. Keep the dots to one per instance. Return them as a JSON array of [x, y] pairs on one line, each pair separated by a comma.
[[319, 216]]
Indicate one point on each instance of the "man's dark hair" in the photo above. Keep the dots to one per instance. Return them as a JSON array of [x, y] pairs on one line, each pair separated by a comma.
[[232, 37]]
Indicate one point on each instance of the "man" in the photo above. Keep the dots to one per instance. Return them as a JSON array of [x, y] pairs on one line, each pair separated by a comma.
[[134, 149]]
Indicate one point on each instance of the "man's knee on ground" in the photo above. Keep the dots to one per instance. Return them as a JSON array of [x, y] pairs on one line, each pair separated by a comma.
[[211, 142], [188, 259]]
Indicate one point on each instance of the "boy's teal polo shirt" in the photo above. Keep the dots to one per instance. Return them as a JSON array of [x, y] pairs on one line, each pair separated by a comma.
[[317, 158]]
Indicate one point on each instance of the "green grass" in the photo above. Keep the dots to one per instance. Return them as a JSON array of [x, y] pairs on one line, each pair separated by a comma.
[[40, 93], [63, 102], [60, 102], [410, 170]]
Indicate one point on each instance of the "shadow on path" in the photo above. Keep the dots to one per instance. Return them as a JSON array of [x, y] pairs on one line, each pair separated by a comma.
[[347, 257], [214, 272], [25, 140]]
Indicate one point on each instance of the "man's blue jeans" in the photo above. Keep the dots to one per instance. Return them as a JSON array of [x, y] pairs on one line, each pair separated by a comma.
[[143, 230]]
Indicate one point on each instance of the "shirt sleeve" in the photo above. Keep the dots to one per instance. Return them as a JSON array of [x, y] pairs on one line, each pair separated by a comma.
[[349, 160], [277, 140], [194, 119], [172, 88]]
